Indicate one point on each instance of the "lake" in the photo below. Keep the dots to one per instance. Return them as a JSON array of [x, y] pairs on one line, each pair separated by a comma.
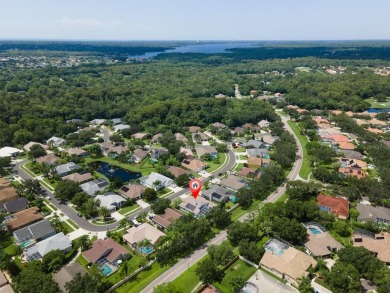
[[111, 172], [204, 48], [378, 110]]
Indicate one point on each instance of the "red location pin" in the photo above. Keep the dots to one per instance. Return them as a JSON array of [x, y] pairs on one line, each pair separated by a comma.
[[195, 187]]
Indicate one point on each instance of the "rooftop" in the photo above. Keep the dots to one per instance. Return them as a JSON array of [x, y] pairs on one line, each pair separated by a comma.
[[142, 232]]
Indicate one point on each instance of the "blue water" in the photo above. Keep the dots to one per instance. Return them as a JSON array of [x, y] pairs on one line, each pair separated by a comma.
[[211, 48], [378, 110], [112, 171], [106, 270], [314, 230], [145, 250]]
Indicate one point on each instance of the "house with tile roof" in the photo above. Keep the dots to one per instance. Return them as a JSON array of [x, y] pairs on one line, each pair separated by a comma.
[[49, 159], [145, 231], [353, 167], [133, 191], [335, 205], [379, 244], [206, 149], [23, 218], [194, 165], [67, 274], [77, 152], [7, 192], [181, 137], [177, 171], [198, 207], [78, 177], [139, 155], [106, 249], [254, 162], [27, 147], [379, 215], [193, 129], [163, 221]]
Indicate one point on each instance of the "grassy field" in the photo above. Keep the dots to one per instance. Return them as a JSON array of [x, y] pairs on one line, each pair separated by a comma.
[[127, 210], [238, 212], [67, 228], [381, 105], [188, 280], [73, 223], [238, 268], [306, 169], [214, 165], [283, 198]]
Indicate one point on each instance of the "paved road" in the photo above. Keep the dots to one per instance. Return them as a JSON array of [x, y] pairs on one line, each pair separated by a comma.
[[84, 224], [185, 263]]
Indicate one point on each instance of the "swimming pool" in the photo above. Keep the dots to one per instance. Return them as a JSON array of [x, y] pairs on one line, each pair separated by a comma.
[[26, 243], [314, 230], [145, 249], [106, 270]]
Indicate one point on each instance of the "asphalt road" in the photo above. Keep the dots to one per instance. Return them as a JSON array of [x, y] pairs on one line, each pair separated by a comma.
[[84, 224], [185, 263]]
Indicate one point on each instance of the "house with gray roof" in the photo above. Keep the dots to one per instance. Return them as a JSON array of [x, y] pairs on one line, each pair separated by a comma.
[[14, 206], [217, 193], [233, 182], [110, 200], [92, 187], [97, 121], [198, 207], [36, 232], [380, 215], [139, 155], [67, 168], [256, 152], [206, 149], [56, 242], [254, 144], [67, 274], [116, 121], [55, 141], [121, 127], [149, 181], [157, 153]]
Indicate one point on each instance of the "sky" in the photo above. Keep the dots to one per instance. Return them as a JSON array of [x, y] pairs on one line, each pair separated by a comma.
[[195, 19]]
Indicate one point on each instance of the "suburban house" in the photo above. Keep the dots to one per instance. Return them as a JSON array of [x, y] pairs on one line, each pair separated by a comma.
[[254, 162], [206, 149], [74, 120], [152, 178], [257, 152], [238, 130], [286, 262], [9, 152], [133, 191], [375, 130], [139, 135], [351, 154], [177, 171], [78, 177], [14, 205], [7, 192], [353, 167], [115, 151], [266, 138], [263, 123], [319, 242], [198, 207], [181, 137], [194, 165], [92, 187], [97, 121], [187, 152], [77, 152], [67, 274], [27, 147], [110, 200], [199, 137], [219, 125], [380, 215], [49, 159], [106, 146], [164, 220], [116, 121], [378, 123], [120, 127], [56, 242], [157, 153], [193, 129], [253, 144], [233, 182], [335, 205], [248, 172], [217, 193], [156, 138], [145, 231], [346, 146], [379, 244], [23, 218], [106, 250], [67, 168], [335, 138], [34, 233], [139, 155], [55, 141]]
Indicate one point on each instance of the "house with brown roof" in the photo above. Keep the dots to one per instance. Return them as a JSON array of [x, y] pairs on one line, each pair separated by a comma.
[[206, 149], [27, 147], [133, 191], [193, 129], [181, 137], [380, 215], [50, 159], [22, 219], [238, 130], [7, 192], [177, 171], [319, 242], [375, 130], [200, 136], [254, 162], [79, 178], [164, 220], [286, 262], [156, 138], [194, 165], [4, 286], [233, 182], [247, 172], [114, 151], [139, 155], [346, 146], [187, 152], [67, 274], [139, 135], [105, 146], [377, 123], [335, 205], [107, 249], [379, 244], [77, 152], [145, 231], [219, 125]]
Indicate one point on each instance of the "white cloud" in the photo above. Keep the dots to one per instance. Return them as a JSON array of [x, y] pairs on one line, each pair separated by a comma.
[[68, 22]]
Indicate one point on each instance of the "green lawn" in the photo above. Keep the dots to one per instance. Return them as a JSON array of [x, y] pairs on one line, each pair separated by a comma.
[[27, 170], [145, 167], [11, 250], [53, 183], [127, 210], [306, 168], [216, 164], [73, 223], [238, 212], [132, 265], [238, 268], [140, 281], [31, 168], [82, 261], [50, 204], [238, 167], [188, 280], [283, 198], [375, 104], [67, 228]]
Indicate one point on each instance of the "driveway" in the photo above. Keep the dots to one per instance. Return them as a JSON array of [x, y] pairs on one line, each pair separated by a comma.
[[261, 282]]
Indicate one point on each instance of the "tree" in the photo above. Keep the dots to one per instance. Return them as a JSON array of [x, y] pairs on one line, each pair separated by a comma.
[[5, 162], [157, 185], [52, 261], [29, 188], [289, 230], [244, 198], [66, 190], [341, 228], [305, 285], [150, 195], [301, 190], [221, 148], [160, 205], [82, 284], [343, 278], [166, 288], [220, 254], [239, 231], [116, 138], [237, 282], [182, 180], [207, 271], [36, 151], [219, 218], [104, 213], [95, 151], [250, 250]]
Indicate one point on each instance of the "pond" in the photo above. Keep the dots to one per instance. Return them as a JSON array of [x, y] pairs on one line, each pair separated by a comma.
[[111, 171]]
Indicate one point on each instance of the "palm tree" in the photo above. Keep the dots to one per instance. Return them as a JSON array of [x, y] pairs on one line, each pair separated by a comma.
[[157, 184], [104, 213], [56, 224], [84, 242], [305, 285], [123, 223]]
